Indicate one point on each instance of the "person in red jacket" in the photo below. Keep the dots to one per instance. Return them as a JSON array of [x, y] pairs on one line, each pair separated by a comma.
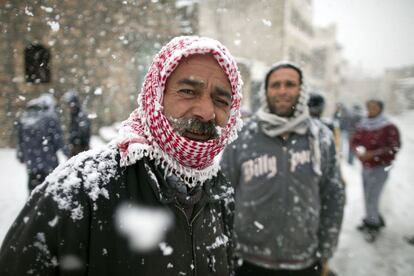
[[375, 142]]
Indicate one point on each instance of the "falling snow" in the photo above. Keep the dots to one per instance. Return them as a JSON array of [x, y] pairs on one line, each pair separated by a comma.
[[166, 249], [144, 227], [267, 23], [54, 25], [258, 225], [28, 12]]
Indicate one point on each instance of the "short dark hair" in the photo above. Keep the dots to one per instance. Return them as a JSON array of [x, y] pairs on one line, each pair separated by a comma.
[[316, 104], [377, 102], [281, 66]]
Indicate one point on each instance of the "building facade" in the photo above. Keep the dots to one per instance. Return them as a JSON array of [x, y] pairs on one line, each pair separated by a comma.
[[263, 32], [101, 48], [398, 89]]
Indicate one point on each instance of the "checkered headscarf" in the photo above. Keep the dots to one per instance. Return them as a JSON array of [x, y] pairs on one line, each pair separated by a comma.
[[147, 131]]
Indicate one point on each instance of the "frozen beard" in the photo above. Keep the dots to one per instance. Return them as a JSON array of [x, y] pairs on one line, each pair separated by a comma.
[[183, 126]]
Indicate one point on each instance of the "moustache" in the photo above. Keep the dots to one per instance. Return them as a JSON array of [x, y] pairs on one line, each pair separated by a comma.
[[182, 125]]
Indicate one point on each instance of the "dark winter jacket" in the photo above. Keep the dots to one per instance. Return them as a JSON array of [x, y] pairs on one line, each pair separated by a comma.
[[79, 127], [39, 137], [287, 215], [68, 226], [383, 141]]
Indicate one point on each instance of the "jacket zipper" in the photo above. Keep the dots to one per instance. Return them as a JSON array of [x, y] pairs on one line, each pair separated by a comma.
[[285, 170], [190, 228]]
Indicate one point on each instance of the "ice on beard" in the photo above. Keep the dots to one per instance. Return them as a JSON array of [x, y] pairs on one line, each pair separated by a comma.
[[144, 227]]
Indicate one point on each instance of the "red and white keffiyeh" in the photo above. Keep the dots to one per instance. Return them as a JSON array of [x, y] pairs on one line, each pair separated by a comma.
[[147, 131]]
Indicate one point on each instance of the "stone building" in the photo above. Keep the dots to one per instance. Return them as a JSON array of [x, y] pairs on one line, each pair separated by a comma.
[[101, 48], [398, 89], [265, 31], [395, 87], [261, 32], [328, 66]]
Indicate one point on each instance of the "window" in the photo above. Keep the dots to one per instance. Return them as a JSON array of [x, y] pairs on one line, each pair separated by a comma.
[[37, 67]]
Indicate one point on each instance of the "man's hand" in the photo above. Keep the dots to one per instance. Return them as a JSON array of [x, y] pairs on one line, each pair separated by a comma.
[[325, 268], [368, 155]]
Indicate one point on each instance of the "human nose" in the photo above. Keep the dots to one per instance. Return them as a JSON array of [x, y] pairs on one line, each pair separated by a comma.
[[282, 89], [204, 109]]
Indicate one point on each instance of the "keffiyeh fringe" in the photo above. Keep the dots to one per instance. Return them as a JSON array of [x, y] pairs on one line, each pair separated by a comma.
[[148, 133]]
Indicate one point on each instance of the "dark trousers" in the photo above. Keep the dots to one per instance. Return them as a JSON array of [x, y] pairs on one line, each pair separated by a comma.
[[36, 178], [249, 269]]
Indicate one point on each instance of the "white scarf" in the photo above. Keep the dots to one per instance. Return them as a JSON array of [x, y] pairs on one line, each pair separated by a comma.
[[273, 125], [374, 123]]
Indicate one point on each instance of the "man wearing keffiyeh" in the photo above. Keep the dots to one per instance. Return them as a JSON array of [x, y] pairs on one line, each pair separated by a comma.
[[163, 160], [289, 196]]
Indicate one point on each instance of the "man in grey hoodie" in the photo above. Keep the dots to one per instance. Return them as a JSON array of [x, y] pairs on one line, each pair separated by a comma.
[[289, 193]]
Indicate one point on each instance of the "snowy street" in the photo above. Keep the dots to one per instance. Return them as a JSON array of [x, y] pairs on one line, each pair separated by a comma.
[[389, 255]]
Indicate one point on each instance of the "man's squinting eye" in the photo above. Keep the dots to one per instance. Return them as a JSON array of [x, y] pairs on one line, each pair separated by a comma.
[[286, 84], [222, 102], [290, 84], [275, 85], [186, 91]]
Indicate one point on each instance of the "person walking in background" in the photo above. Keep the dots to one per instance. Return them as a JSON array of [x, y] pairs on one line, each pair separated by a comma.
[[39, 137], [289, 193], [341, 116], [375, 142], [79, 125], [316, 104], [86, 219], [353, 117]]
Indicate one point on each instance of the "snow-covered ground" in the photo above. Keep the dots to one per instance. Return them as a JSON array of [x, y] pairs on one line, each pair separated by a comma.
[[389, 255]]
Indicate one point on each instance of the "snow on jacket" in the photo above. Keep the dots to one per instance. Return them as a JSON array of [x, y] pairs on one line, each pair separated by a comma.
[[68, 226], [39, 137], [381, 137], [287, 215]]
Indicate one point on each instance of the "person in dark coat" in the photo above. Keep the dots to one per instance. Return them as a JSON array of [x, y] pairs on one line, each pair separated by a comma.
[[316, 104], [347, 119], [79, 126], [153, 201], [354, 116], [375, 142], [39, 137]]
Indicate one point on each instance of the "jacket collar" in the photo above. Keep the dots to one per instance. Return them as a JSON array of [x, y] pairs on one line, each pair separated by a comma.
[[215, 189]]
